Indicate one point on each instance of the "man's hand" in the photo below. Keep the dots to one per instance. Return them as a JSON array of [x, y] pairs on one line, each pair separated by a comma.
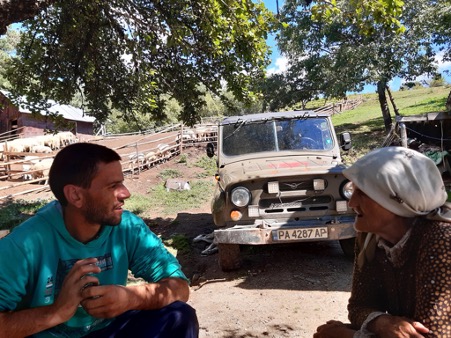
[[106, 301], [387, 326], [71, 293]]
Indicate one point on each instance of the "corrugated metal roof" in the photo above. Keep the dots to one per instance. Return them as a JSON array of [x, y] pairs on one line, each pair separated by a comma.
[[68, 112]]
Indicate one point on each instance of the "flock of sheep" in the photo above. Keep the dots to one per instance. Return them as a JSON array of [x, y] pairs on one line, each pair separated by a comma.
[[35, 165], [35, 154], [164, 151]]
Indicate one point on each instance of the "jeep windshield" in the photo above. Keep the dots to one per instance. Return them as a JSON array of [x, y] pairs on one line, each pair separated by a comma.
[[247, 137]]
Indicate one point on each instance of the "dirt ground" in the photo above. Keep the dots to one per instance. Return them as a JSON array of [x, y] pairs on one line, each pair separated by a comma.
[[280, 291]]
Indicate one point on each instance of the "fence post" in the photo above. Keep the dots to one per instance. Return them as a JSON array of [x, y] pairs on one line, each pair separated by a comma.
[[181, 139]]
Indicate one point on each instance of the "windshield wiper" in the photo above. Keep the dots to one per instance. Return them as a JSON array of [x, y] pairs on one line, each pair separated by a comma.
[[238, 124]]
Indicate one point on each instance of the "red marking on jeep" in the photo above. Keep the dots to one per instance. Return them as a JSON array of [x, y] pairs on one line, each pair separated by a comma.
[[289, 165]]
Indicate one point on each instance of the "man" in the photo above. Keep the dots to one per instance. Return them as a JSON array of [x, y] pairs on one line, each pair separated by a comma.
[[64, 271]]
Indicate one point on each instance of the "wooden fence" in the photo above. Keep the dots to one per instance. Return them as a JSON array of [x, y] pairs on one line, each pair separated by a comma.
[[138, 152], [339, 107]]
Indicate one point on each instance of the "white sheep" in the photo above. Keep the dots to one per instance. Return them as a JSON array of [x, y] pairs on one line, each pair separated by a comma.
[[176, 184], [136, 161], [66, 138], [164, 152], [150, 159], [41, 168], [29, 161], [41, 149]]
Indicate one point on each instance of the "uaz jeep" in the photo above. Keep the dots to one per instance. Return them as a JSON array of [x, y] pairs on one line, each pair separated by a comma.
[[279, 180]]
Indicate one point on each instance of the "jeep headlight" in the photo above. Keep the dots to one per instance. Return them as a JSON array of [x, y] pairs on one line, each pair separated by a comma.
[[346, 189], [240, 196]]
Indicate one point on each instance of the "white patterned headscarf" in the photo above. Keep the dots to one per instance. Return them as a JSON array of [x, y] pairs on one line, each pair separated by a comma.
[[402, 181]]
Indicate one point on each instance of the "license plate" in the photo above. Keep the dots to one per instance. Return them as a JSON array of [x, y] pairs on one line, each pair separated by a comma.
[[299, 234]]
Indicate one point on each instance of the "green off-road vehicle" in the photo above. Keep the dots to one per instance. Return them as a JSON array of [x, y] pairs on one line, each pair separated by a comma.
[[280, 180]]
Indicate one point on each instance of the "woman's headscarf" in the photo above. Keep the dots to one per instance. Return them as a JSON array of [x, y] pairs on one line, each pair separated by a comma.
[[401, 180]]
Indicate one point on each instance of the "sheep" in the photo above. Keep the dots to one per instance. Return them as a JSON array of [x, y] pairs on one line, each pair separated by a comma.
[[136, 160], [41, 149], [66, 138], [41, 169], [188, 136], [26, 166], [201, 133], [150, 159], [176, 184], [164, 152], [15, 146]]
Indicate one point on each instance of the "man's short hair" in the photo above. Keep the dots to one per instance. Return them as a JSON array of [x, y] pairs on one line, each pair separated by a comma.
[[77, 164]]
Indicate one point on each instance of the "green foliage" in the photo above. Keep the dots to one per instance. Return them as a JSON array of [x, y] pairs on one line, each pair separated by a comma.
[[170, 202], [179, 242], [437, 81], [12, 213], [207, 163], [135, 56], [337, 47], [8, 45], [365, 15], [183, 158], [169, 173]]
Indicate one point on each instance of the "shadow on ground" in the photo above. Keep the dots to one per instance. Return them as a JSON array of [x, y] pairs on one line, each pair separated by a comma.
[[297, 266]]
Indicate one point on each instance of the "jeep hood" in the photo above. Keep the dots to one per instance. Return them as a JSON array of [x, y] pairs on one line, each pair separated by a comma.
[[263, 168]]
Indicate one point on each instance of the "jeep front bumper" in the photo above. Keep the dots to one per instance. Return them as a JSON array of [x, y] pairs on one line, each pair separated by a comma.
[[271, 231]]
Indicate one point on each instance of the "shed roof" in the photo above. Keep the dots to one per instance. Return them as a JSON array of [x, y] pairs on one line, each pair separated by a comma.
[[68, 112]]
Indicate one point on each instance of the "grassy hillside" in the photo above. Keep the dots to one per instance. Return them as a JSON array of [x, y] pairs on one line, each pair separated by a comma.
[[365, 122]]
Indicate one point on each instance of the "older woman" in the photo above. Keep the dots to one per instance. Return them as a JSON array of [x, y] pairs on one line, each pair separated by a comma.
[[402, 271]]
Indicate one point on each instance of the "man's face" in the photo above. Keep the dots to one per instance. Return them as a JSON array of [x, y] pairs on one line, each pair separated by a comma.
[[105, 197]]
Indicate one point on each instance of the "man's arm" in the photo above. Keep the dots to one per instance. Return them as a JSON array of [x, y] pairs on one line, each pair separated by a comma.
[[107, 301], [29, 321]]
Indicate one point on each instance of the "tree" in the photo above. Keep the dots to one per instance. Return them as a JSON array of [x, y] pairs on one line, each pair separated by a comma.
[[8, 45], [131, 55], [349, 57], [442, 33], [13, 11]]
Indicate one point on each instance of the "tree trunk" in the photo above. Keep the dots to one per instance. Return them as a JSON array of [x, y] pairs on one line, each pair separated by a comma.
[[384, 105], [392, 100], [13, 11], [448, 102]]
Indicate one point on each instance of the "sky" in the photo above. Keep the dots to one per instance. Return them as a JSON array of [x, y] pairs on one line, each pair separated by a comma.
[[279, 63]]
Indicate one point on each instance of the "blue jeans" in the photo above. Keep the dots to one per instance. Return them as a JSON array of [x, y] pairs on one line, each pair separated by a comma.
[[177, 320]]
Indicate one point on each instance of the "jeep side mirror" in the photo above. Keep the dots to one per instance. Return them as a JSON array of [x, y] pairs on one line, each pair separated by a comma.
[[210, 149], [345, 141]]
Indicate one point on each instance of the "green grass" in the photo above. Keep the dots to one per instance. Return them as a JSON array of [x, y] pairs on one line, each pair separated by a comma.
[[365, 122], [208, 164], [12, 213], [172, 202]]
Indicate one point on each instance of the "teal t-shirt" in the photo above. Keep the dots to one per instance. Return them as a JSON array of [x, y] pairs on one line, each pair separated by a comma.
[[37, 255]]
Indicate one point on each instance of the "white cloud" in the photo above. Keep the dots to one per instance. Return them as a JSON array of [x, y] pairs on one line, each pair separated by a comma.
[[442, 65], [281, 65]]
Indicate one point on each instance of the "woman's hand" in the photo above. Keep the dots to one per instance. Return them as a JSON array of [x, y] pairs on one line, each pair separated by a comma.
[[387, 326], [334, 329]]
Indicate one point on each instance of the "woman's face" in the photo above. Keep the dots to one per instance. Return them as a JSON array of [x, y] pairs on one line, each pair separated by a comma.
[[371, 216]]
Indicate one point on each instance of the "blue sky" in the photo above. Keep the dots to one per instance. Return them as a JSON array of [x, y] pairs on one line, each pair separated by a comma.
[[278, 62]]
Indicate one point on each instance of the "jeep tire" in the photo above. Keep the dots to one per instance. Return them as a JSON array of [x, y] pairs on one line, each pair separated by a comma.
[[347, 246], [229, 256]]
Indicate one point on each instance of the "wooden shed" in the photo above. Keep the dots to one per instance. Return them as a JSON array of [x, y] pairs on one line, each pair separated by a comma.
[[21, 122]]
